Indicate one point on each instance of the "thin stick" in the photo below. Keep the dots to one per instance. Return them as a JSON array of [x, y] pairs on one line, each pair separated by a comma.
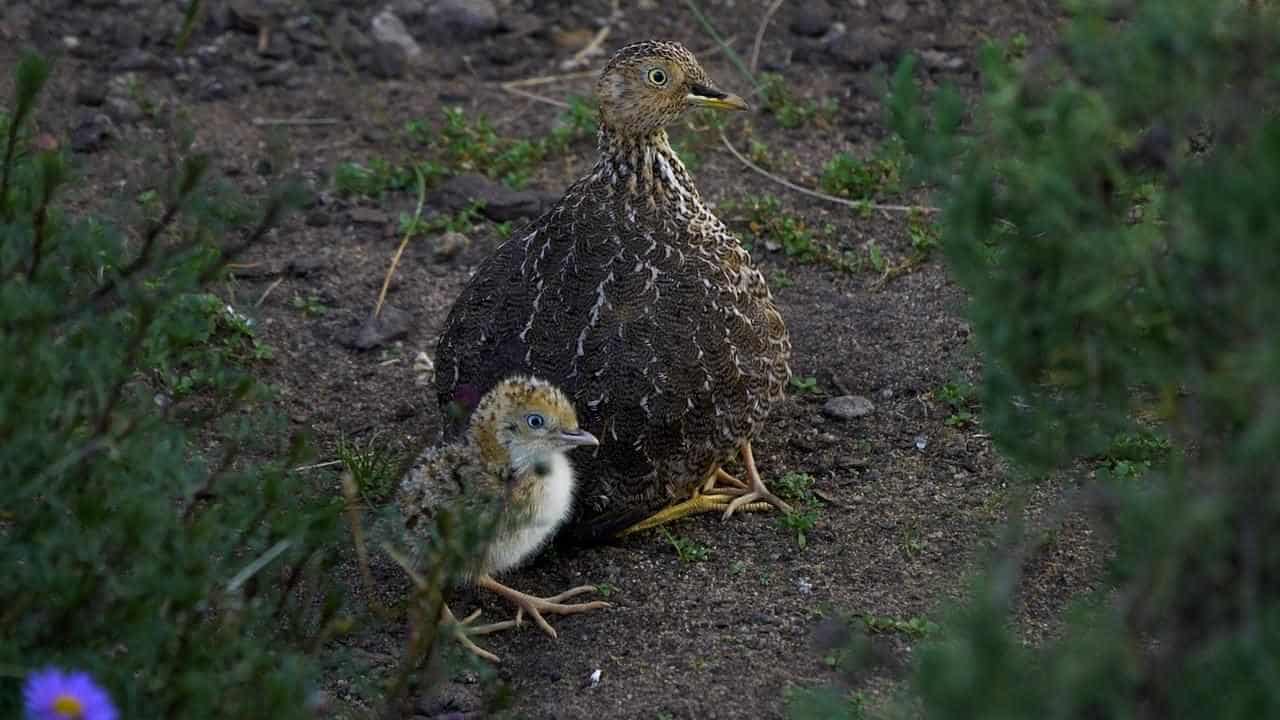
[[535, 96], [764, 23], [349, 494], [259, 121], [856, 204], [317, 466], [715, 35], [253, 567], [262, 298], [548, 79], [580, 58], [408, 233]]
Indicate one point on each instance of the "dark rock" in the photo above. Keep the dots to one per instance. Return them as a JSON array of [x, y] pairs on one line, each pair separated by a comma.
[[367, 216], [126, 32], [518, 25], [212, 88], [137, 59], [318, 218], [92, 132], [861, 49], [391, 324], [387, 61], [281, 74], [499, 203], [264, 167], [461, 20], [92, 93], [124, 110], [812, 19], [278, 47], [848, 407]]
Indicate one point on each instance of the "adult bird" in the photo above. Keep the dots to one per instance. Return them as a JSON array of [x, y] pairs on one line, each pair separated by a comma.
[[511, 477], [632, 296]]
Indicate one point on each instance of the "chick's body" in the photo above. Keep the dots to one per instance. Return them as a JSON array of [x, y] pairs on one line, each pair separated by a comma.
[[632, 296], [510, 475]]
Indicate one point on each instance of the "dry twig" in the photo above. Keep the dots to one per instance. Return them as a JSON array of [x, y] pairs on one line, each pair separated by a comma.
[[856, 204], [764, 23]]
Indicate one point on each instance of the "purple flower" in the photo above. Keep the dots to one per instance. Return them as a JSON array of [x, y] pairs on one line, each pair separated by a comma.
[[52, 694]]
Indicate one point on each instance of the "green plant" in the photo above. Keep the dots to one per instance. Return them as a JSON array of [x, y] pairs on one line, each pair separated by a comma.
[[797, 490], [168, 549], [1113, 231], [789, 111], [961, 397], [373, 467], [916, 628], [822, 703], [848, 176], [689, 551], [805, 385], [310, 305]]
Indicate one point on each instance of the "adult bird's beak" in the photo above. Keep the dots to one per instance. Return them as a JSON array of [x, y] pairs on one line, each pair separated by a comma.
[[705, 96], [578, 437]]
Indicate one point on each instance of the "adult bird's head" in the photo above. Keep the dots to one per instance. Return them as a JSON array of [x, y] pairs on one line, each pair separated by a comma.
[[648, 85], [523, 421]]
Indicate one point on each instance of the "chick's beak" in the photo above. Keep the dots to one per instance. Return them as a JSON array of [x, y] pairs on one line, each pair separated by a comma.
[[574, 438], [706, 96]]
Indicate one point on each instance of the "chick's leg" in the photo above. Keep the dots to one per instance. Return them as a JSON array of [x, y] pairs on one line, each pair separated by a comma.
[[535, 606], [463, 630]]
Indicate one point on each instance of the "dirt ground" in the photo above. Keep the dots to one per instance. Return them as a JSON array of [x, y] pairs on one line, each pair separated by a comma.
[[911, 503]]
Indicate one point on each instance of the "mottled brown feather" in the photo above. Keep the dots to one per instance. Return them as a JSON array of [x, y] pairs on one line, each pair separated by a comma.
[[632, 297]]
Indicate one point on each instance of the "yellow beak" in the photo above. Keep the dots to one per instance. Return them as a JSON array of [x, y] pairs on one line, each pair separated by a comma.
[[704, 96]]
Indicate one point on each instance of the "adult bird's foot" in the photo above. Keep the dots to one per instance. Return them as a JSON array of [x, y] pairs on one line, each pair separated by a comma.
[[535, 606], [463, 630], [753, 497], [719, 492]]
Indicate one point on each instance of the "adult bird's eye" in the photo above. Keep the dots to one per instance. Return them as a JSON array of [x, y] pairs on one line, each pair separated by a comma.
[[535, 420], [658, 76]]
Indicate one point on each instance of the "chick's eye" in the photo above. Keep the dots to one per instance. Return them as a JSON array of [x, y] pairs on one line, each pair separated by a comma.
[[535, 420], [658, 76]]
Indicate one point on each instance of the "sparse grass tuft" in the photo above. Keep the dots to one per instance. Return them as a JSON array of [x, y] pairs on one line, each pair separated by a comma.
[[792, 112], [797, 490], [847, 175], [689, 551], [373, 467], [916, 628]]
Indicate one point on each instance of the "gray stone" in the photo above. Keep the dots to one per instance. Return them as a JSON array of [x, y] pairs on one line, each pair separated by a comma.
[[137, 59], [461, 20], [896, 12], [387, 27], [390, 324], [848, 407], [940, 61], [449, 245], [124, 110], [861, 49], [812, 19], [499, 203], [367, 216]]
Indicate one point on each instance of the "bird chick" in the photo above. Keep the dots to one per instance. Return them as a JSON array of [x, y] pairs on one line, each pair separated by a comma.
[[512, 468]]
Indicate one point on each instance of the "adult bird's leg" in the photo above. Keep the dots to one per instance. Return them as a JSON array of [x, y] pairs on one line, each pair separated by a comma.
[[719, 491], [749, 496], [535, 606], [463, 631]]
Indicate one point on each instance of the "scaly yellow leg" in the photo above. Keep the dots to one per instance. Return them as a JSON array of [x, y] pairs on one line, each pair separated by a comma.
[[719, 491]]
